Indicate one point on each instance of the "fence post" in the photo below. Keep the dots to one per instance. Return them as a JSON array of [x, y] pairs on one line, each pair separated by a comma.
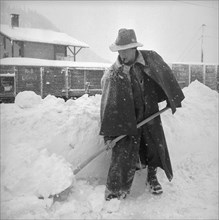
[[204, 74], [15, 81], [217, 77], [189, 73], [66, 82], [41, 81], [85, 81]]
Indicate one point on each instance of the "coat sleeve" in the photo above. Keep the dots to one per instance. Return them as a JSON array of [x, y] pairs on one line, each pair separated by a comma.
[[117, 107]]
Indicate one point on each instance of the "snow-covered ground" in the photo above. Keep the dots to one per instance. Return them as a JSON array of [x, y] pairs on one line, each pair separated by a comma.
[[42, 140]]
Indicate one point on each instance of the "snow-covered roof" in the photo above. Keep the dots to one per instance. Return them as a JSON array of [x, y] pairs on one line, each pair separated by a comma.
[[18, 61], [40, 35]]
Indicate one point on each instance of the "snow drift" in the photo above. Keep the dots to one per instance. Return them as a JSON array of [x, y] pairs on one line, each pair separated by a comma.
[[43, 140]]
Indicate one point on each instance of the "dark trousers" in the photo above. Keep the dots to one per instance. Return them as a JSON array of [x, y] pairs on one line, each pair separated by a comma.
[[148, 151], [125, 156]]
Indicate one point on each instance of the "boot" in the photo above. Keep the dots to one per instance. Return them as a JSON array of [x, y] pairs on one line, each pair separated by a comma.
[[152, 182], [120, 196], [111, 196]]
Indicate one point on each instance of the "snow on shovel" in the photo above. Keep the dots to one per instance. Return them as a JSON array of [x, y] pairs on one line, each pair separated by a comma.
[[64, 194]]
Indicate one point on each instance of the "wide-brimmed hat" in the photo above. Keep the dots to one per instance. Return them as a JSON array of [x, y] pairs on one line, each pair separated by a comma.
[[126, 39]]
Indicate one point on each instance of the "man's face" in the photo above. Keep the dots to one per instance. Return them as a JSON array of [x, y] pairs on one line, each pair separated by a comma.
[[127, 56]]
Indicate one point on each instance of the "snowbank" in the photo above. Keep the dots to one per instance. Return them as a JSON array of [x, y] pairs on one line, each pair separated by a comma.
[[43, 140]]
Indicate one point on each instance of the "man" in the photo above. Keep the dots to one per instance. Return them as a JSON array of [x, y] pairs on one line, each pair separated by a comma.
[[131, 90]]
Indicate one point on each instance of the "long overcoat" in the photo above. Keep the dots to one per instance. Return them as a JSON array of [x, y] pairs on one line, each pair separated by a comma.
[[117, 103]]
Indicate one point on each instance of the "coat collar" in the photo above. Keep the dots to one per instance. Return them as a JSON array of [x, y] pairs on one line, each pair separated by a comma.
[[126, 68]]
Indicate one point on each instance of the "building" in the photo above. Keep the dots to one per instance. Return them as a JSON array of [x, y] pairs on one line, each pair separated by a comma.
[[16, 41], [37, 60]]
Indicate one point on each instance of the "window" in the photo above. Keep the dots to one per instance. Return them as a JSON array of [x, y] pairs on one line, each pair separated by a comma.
[[7, 84]]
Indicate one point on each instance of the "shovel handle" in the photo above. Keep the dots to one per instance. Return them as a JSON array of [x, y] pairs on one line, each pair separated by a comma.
[[86, 162]]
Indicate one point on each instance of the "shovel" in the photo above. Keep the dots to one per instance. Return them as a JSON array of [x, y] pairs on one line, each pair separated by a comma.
[[64, 194]]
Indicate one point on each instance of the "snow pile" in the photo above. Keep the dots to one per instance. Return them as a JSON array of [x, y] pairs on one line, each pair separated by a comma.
[[43, 140], [27, 99], [23, 166]]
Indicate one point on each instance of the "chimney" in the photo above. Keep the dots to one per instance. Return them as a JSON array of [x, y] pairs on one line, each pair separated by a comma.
[[14, 20]]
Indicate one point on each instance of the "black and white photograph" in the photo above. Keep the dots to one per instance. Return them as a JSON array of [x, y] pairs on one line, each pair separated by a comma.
[[109, 109]]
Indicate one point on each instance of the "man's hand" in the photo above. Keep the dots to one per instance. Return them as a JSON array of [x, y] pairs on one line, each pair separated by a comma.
[[109, 144]]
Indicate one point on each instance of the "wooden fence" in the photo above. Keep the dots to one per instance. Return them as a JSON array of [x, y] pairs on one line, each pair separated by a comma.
[[208, 74], [74, 81]]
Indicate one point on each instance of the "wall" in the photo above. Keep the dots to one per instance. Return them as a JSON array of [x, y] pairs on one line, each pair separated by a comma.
[[31, 49], [39, 50], [6, 49]]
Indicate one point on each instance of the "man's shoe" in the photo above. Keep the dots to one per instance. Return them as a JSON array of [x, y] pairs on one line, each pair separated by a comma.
[[111, 196], [152, 182], [120, 196]]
